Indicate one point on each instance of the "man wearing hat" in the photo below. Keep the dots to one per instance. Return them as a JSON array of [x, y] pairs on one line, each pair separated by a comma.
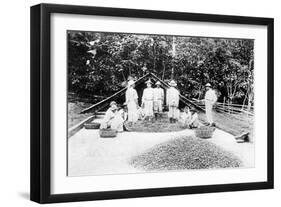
[[194, 120], [185, 117], [147, 101], [132, 102], [109, 116], [210, 100], [158, 98], [172, 101]]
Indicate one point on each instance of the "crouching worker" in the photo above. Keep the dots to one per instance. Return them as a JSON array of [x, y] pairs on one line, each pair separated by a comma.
[[113, 118], [185, 117], [194, 120], [119, 119], [141, 114]]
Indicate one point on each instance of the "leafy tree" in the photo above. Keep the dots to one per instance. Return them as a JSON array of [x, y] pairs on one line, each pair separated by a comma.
[[99, 63]]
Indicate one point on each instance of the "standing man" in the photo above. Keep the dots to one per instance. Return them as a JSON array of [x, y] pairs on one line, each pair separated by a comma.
[[158, 97], [147, 101], [210, 100], [132, 102], [172, 99]]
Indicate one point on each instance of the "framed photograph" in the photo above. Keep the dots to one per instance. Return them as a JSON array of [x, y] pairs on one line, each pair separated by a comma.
[[132, 103]]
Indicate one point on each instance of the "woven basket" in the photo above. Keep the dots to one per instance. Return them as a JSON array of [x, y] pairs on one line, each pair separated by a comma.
[[163, 115], [108, 133], [204, 132], [92, 125]]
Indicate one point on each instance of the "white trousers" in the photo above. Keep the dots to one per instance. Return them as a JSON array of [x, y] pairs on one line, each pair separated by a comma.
[[209, 113], [148, 108], [132, 112], [173, 112], [117, 124], [158, 106]]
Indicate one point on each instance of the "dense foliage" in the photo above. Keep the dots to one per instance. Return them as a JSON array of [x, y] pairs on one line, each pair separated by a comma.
[[99, 63]]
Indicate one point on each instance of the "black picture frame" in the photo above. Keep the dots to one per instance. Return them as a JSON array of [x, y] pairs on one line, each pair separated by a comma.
[[40, 184]]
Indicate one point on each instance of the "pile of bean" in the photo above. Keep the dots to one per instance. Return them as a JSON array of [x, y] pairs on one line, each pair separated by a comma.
[[185, 153], [154, 126]]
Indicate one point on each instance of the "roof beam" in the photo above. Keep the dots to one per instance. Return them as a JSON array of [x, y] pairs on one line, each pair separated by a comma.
[[101, 104]]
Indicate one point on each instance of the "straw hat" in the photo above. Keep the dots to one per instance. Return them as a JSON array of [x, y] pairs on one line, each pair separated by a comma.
[[173, 83], [113, 103], [158, 83], [193, 110], [130, 83], [114, 107], [148, 81]]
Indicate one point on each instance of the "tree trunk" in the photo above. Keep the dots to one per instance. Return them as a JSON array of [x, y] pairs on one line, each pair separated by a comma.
[[154, 57], [250, 99], [164, 69], [123, 76], [244, 101], [199, 95]]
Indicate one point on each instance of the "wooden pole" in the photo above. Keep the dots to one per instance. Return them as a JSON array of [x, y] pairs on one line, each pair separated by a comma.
[[164, 69], [174, 53]]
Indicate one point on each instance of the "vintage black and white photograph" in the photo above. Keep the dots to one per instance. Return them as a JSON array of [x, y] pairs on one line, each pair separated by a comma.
[[142, 103]]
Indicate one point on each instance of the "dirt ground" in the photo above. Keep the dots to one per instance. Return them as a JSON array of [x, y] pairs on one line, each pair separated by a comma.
[[73, 112], [235, 124], [91, 155]]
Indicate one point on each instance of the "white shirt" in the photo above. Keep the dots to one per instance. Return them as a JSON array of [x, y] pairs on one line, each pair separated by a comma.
[[194, 117], [107, 119], [158, 94], [185, 115], [131, 95], [173, 96], [109, 115], [211, 96], [147, 94]]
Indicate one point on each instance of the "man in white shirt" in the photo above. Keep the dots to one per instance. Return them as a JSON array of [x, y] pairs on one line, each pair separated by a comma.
[[109, 116], [194, 120], [185, 117], [158, 97], [132, 102], [210, 100], [172, 101], [147, 101]]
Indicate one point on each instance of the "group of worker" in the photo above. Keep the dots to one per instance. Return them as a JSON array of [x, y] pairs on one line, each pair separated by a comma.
[[152, 104], [152, 101]]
